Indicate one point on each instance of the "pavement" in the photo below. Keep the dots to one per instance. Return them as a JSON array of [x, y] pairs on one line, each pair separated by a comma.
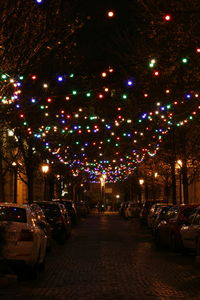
[[108, 258]]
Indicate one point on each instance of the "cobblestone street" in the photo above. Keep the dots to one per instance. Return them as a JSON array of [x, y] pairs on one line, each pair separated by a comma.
[[109, 258]]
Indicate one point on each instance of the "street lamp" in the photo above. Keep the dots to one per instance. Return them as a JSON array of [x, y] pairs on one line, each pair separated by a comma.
[[14, 164], [45, 170], [179, 166], [103, 183], [141, 182]]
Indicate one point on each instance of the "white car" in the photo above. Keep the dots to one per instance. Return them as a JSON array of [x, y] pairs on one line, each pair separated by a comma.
[[26, 241], [190, 233]]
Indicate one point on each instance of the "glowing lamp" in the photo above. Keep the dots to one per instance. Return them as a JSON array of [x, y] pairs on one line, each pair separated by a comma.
[[45, 169]]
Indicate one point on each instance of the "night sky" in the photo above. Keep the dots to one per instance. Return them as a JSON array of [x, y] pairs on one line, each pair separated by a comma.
[[98, 39]]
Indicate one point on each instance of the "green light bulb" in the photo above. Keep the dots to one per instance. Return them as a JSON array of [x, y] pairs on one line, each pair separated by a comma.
[[184, 60], [3, 76]]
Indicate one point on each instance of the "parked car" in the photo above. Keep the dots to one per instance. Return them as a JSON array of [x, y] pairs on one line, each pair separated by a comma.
[[168, 230], [42, 222], [190, 232], [160, 215], [122, 208], [153, 213], [131, 209], [145, 211], [71, 209], [25, 240], [58, 218]]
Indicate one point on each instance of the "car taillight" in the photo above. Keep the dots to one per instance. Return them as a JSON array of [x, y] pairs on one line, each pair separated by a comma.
[[26, 235]]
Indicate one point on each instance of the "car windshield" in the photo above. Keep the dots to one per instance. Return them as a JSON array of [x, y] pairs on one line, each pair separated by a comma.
[[50, 210], [13, 214]]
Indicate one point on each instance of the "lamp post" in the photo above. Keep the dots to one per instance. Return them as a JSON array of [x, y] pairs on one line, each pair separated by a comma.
[[103, 183], [141, 182], [14, 164], [45, 170], [179, 165]]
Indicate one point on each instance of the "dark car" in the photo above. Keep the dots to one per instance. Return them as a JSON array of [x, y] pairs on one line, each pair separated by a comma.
[[160, 215], [58, 218], [43, 223], [144, 212], [168, 230], [71, 209]]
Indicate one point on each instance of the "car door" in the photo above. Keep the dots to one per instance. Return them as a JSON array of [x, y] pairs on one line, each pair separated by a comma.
[[191, 232], [167, 225]]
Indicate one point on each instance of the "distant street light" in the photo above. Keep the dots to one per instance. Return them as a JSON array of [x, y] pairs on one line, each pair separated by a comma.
[[103, 182], [45, 170], [14, 164], [179, 166], [141, 181]]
